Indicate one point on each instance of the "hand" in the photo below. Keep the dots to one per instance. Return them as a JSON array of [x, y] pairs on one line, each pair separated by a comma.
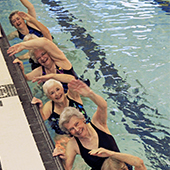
[[20, 63], [36, 100], [80, 87], [101, 152], [59, 151], [15, 49], [25, 16]]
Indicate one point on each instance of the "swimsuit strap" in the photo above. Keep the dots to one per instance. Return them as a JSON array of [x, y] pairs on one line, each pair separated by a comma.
[[52, 106], [43, 70]]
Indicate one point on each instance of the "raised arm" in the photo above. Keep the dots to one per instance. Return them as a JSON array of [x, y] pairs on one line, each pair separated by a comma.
[[55, 53], [35, 22], [65, 78], [123, 157], [100, 116], [30, 7]]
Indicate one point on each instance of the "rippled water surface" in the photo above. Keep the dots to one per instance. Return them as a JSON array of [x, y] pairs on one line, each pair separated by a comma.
[[123, 48]]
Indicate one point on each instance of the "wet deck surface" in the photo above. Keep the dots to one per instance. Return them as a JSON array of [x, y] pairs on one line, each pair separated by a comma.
[[25, 143]]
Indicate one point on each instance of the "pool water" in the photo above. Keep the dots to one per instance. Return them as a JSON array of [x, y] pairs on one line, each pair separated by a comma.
[[123, 48]]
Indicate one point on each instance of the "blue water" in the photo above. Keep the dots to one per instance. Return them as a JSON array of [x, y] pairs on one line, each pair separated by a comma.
[[123, 48]]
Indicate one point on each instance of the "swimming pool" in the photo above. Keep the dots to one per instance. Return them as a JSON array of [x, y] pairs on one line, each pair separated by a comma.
[[124, 48]]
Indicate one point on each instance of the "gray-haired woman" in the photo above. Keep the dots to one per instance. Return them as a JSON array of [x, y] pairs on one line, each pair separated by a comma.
[[87, 137], [48, 55], [58, 101]]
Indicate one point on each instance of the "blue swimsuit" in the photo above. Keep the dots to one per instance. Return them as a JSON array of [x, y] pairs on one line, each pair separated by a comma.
[[54, 117], [38, 34], [31, 31]]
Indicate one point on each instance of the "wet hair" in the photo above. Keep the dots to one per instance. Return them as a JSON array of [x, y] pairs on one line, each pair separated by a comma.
[[32, 55], [66, 115], [30, 37], [49, 83], [31, 52], [113, 164], [11, 15]]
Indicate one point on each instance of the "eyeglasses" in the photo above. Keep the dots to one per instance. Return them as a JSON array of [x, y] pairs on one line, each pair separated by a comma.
[[42, 54], [14, 20]]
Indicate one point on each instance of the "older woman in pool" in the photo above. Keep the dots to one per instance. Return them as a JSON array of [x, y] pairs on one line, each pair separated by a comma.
[[89, 136], [58, 99], [45, 52], [32, 25]]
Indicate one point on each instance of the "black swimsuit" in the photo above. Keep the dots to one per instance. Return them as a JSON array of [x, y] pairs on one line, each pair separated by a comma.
[[54, 117], [62, 71], [38, 34], [31, 31], [96, 162]]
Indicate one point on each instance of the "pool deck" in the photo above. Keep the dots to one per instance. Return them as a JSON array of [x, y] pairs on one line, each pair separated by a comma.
[[25, 143]]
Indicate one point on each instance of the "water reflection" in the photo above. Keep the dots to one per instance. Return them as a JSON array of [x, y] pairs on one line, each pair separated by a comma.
[[133, 105]]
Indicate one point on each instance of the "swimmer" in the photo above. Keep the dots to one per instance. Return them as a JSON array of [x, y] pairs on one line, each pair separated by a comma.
[[58, 99], [45, 52], [86, 136], [32, 26]]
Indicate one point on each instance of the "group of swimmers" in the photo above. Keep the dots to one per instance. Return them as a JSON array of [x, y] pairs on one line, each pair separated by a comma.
[[77, 133]]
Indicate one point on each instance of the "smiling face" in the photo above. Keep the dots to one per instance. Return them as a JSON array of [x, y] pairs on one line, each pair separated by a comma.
[[42, 57], [17, 21], [76, 127], [56, 93]]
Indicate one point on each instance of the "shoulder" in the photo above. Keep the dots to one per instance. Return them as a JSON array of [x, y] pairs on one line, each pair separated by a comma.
[[13, 35], [100, 126], [48, 104], [72, 145], [38, 70], [74, 96], [47, 109]]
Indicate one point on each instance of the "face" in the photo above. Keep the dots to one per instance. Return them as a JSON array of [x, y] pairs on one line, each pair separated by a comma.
[[56, 93], [42, 57], [76, 127], [17, 21]]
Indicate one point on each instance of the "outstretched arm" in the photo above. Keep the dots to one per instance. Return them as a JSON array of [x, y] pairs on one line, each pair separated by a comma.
[[39, 25], [100, 116], [123, 157], [55, 53], [30, 7], [65, 78], [27, 45]]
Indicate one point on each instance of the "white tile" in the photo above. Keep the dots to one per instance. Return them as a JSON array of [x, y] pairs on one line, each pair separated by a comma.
[[5, 77], [18, 150]]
